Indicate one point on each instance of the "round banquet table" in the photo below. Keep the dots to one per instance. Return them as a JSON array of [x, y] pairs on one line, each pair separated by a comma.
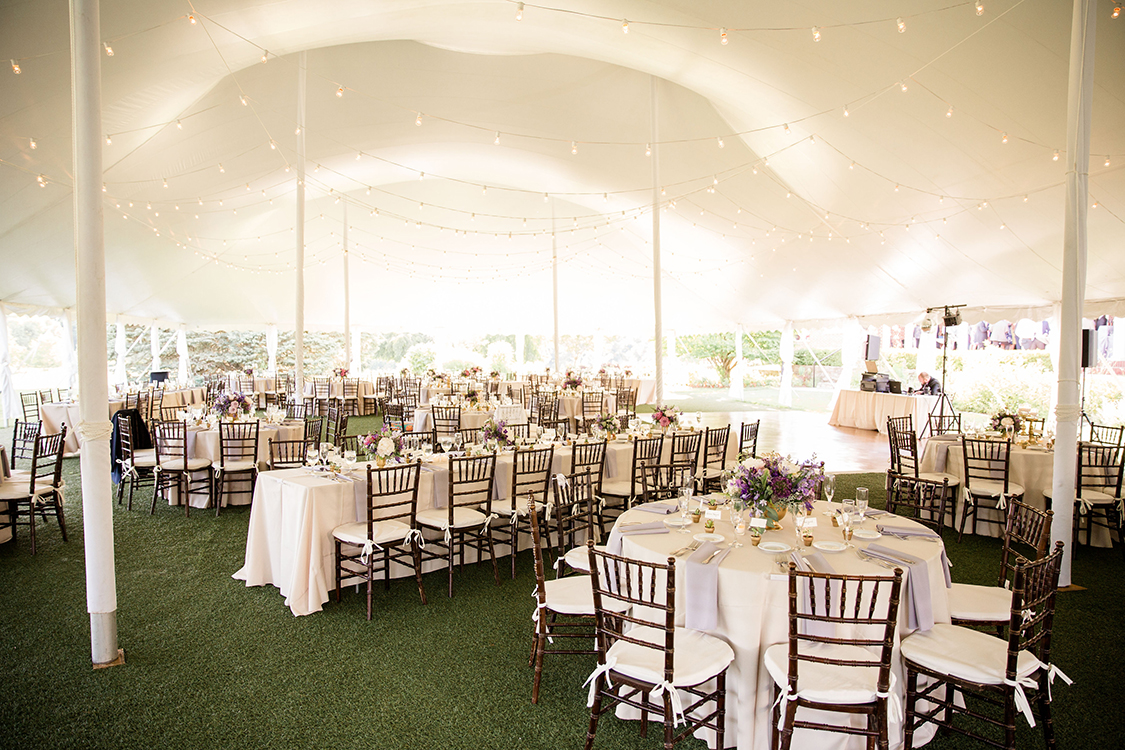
[[753, 614]]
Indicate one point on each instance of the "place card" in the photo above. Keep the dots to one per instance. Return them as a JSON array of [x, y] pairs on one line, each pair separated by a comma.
[[716, 514], [758, 523]]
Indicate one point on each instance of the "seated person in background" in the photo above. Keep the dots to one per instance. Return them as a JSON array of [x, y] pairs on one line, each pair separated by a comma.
[[930, 386]]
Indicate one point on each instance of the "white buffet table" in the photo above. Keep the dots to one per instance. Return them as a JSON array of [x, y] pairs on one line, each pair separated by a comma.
[[868, 410]]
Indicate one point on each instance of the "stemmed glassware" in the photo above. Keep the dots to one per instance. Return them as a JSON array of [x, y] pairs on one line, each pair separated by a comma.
[[458, 441], [313, 455], [829, 486], [861, 503], [685, 500], [446, 442], [349, 460]]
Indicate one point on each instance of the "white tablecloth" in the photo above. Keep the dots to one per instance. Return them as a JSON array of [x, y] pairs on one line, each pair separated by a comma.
[[753, 614], [867, 410], [5, 533], [472, 419]]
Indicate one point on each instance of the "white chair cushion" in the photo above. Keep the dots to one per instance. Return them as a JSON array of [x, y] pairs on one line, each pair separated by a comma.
[[145, 453], [712, 472], [937, 476], [144, 462], [617, 487], [827, 683], [965, 653], [177, 464], [1094, 497], [574, 596], [16, 489], [386, 532], [979, 603], [698, 656], [579, 559], [438, 518], [993, 488], [239, 466], [504, 507]]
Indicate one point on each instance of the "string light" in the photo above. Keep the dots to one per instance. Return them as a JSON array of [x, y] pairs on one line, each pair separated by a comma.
[[545, 197], [33, 144], [15, 67], [1056, 156], [901, 25], [896, 188], [573, 147], [191, 19], [852, 165], [340, 92], [904, 86], [273, 145], [949, 112], [179, 125], [418, 119], [785, 127], [648, 149], [243, 100], [165, 179], [723, 35], [108, 49], [519, 11], [221, 167], [1004, 138], [624, 26], [42, 181], [721, 144], [496, 142], [108, 141], [816, 33], [265, 56], [846, 112], [980, 8], [1107, 161], [1116, 11], [297, 131]]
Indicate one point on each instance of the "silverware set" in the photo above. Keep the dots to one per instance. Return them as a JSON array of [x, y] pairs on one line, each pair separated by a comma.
[[692, 547]]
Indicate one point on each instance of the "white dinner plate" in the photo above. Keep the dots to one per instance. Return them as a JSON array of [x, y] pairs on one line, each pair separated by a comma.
[[774, 547], [830, 546], [676, 523], [708, 537], [866, 534]]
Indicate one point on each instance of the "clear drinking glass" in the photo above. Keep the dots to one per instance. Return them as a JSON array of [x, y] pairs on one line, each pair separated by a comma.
[[349, 460], [458, 441], [313, 456], [861, 502], [685, 500], [829, 486], [446, 443]]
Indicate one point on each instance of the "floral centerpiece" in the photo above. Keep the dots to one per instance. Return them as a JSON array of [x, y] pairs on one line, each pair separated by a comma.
[[340, 372], [609, 424], [772, 485], [571, 381], [498, 431], [384, 445], [495, 374], [666, 416], [232, 404], [471, 372], [249, 371], [472, 396], [1001, 422]]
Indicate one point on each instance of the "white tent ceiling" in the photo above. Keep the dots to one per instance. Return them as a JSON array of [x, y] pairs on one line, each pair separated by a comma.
[[834, 193]]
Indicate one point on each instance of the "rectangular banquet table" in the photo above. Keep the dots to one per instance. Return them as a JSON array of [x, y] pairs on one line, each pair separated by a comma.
[[5, 472], [868, 410], [753, 614], [54, 415]]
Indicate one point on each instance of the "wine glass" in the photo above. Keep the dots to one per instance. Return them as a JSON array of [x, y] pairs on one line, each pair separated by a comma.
[[427, 449], [699, 420], [458, 441], [313, 455], [349, 460], [446, 442], [738, 520], [688, 487], [829, 486], [684, 501], [861, 503]]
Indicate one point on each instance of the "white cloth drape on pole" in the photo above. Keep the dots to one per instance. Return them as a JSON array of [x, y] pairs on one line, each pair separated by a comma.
[[555, 285], [120, 351], [928, 353], [737, 391], [785, 396], [70, 339], [1080, 96], [851, 342], [299, 231], [89, 240], [347, 297], [182, 353], [154, 347], [657, 304], [355, 363], [271, 350], [9, 402]]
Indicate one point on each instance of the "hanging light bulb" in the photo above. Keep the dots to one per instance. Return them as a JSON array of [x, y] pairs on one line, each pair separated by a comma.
[[108, 140], [265, 56], [648, 149], [1107, 160], [545, 197], [243, 100], [42, 181], [722, 36], [165, 180], [816, 33], [179, 125], [624, 26], [191, 19], [785, 127], [33, 144], [901, 25], [108, 49], [1116, 11], [15, 67], [721, 144], [519, 11], [573, 147], [340, 92], [1004, 138], [273, 145], [904, 86], [297, 131], [496, 142], [949, 112], [1056, 156], [896, 188], [852, 165], [248, 188], [418, 119], [980, 8], [846, 112], [221, 167]]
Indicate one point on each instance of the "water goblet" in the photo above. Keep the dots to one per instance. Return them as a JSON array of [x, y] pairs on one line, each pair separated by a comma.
[[458, 441], [312, 456], [427, 449], [861, 503], [349, 460], [684, 500], [446, 443], [829, 486]]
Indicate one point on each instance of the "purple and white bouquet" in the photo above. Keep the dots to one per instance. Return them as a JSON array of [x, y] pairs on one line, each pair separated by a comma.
[[384, 444], [1002, 421], [666, 416], [232, 404], [249, 371], [498, 431], [571, 381], [768, 482]]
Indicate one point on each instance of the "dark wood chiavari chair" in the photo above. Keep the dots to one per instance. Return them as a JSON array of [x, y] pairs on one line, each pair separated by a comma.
[[238, 459], [447, 419], [37, 491], [715, 441], [24, 436], [175, 470], [288, 454], [619, 493], [664, 481], [531, 475], [748, 438], [988, 485], [137, 465]]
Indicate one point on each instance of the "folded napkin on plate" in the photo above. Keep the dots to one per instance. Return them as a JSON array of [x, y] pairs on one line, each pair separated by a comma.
[[874, 512], [701, 584], [916, 587], [906, 531], [662, 508], [613, 546]]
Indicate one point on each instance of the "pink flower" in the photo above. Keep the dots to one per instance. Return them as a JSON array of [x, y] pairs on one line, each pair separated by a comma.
[[664, 421]]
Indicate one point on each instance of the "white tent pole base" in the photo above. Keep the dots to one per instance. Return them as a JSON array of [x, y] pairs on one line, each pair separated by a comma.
[[103, 640]]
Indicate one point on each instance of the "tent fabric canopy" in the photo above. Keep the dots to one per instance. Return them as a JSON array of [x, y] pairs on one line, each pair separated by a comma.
[[799, 181]]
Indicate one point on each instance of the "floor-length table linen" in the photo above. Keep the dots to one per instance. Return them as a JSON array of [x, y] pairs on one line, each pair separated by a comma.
[[753, 612], [868, 410]]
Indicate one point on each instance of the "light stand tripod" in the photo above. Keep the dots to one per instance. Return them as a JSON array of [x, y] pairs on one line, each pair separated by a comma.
[[950, 318]]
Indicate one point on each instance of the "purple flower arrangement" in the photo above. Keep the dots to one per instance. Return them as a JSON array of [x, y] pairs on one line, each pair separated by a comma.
[[773, 480], [571, 381], [666, 416], [231, 404], [1002, 421], [497, 431]]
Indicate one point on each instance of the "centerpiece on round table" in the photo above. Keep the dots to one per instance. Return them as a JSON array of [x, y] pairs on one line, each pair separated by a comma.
[[495, 434], [1009, 424], [772, 485], [610, 425], [571, 382], [384, 445], [340, 372], [232, 405], [665, 417]]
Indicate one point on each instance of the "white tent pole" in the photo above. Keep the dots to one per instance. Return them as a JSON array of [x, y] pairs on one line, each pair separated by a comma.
[[271, 349], [154, 346], [299, 262], [182, 352], [355, 362], [9, 404], [89, 241], [737, 390], [658, 333], [785, 396], [555, 285], [120, 350], [1080, 95], [347, 296], [70, 329]]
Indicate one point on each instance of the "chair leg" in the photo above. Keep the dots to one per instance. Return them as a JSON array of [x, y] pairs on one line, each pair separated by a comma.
[[721, 709], [417, 554], [492, 554], [31, 520], [1045, 717], [452, 539], [911, 704], [60, 515], [540, 648], [595, 713], [336, 573], [965, 514], [370, 575], [220, 480]]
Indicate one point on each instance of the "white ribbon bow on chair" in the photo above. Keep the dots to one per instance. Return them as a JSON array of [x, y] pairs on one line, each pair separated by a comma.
[[1084, 506], [412, 535], [677, 705], [592, 680], [1002, 503], [1052, 672], [368, 547], [488, 520], [1022, 704]]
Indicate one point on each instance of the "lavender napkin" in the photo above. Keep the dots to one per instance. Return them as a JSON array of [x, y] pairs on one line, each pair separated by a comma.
[[816, 563], [613, 546], [916, 587], [906, 531], [701, 584], [662, 508]]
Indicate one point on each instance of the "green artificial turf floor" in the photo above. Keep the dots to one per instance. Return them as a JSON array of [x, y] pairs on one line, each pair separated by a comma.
[[211, 663]]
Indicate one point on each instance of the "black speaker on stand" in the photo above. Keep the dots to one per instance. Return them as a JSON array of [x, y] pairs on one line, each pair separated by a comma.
[[1089, 359]]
